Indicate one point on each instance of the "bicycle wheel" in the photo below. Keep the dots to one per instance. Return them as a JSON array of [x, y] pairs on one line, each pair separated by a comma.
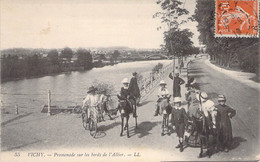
[[84, 120], [111, 107], [92, 127]]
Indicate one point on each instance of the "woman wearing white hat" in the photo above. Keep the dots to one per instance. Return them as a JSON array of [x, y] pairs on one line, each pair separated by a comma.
[[224, 127]]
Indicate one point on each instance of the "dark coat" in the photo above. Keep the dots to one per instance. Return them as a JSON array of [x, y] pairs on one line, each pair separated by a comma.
[[177, 82], [179, 119], [223, 124], [133, 87], [125, 93]]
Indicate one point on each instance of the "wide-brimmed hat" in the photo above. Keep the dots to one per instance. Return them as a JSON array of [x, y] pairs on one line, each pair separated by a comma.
[[134, 73], [162, 82], [176, 99], [195, 85], [221, 98], [187, 85], [190, 81], [202, 95], [125, 80], [91, 89]]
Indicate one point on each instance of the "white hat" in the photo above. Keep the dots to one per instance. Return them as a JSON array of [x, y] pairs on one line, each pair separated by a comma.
[[162, 82], [221, 98], [202, 96], [176, 99], [125, 80], [193, 82]]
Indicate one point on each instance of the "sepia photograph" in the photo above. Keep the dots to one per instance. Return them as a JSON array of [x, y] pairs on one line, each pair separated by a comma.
[[129, 80]]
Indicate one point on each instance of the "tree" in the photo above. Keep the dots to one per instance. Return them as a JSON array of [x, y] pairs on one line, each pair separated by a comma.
[[115, 54], [84, 58], [66, 53], [53, 56], [178, 42], [171, 13]]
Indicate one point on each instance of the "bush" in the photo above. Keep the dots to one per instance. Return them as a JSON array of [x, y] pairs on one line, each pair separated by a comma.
[[157, 68], [249, 63], [139, 78], [104, 87]]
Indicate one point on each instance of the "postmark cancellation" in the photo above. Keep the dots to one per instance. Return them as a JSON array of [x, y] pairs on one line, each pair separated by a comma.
[[237, 18]]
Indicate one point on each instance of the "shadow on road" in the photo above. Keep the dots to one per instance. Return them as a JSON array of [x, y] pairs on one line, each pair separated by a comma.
[[103, 128], [143, 129], [236, 142], [144, 103], [107, 127], [20, 146], [16, 118]]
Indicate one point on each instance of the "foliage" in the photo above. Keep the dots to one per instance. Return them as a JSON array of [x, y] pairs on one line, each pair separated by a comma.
[[157, 67], [66, 53], [115, 55], [177, 42], [53, 56], [139, 78], [84, 58], [172, 12], [104, 87], [18, 64]]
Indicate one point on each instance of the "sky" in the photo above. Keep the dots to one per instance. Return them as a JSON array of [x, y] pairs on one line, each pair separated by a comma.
[[83, 23]]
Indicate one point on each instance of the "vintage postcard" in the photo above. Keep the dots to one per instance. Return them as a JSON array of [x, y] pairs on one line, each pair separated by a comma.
[[129, 80]]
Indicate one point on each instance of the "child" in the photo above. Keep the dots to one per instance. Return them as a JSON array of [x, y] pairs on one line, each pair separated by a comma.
[[91, 100], [179, 120], [161, 93], [224, 128]]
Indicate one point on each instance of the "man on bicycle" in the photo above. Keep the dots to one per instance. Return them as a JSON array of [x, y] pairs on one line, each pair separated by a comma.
[[91, 100]]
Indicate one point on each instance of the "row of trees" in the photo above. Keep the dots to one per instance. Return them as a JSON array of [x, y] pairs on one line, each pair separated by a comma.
[[225, 51], [177, 41], [23, 65]]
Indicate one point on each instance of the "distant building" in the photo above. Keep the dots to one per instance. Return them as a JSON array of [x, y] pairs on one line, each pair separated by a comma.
[[44, 55], [73, 59]]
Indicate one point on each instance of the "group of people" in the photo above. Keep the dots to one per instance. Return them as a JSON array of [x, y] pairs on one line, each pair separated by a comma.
[[214, 119], [129, 91]]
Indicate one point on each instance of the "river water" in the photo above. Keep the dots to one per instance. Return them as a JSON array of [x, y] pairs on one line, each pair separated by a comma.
[[67, 89]]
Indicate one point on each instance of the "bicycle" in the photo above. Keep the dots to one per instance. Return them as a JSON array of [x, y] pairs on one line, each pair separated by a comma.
[[90, 123]]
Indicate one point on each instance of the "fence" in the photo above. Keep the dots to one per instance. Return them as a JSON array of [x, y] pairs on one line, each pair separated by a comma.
[[148, 83]]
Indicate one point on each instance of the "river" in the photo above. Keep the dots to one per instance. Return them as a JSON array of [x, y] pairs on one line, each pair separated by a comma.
[[67, 89]]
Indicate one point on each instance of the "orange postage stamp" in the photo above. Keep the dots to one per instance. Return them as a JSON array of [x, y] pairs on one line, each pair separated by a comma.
[[236, 18]]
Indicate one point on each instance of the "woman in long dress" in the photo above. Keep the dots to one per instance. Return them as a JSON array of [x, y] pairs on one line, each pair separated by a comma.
[[224, 127]]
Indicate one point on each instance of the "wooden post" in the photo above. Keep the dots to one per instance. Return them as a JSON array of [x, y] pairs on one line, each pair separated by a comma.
[[17, 111], [49, 103]]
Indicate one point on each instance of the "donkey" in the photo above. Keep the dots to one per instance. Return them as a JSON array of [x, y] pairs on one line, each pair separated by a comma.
[[165, 110], [126, 107]]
